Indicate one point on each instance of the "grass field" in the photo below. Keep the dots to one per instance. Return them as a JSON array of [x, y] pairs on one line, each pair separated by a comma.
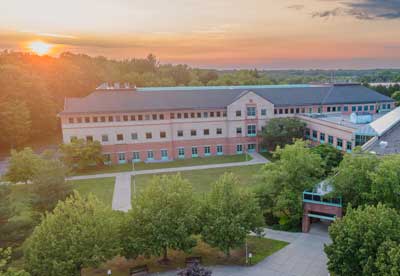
[[170, 164], [102, 188], [260, 248], [203, 179]]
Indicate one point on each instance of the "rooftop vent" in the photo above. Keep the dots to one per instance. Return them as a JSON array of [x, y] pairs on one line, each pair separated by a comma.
[[360, 117], [116, 86], [383, 144]]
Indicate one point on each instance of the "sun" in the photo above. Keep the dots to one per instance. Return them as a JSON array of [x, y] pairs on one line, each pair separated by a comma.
[[40, 48]]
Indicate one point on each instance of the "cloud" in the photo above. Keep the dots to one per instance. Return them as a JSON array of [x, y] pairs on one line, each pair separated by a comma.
[[363, 9]]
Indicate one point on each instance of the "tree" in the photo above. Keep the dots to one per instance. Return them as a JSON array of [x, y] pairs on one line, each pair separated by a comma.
[[5, 270], [228, 214], [163, 216], [388, 259], [283, 182], [15, 122], [82, 154], [385, 186], [330, 155], [49, 185], [22, 165], [282, 131], [396, 97], [357, 237], [352, 180], [80, 232]]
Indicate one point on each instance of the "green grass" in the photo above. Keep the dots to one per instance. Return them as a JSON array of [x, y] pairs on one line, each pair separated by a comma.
[[102, 188], [203, 179], [160, 165], [260, 248]]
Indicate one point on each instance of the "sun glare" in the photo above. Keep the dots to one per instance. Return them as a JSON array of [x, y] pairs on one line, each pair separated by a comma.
[[40, 48]]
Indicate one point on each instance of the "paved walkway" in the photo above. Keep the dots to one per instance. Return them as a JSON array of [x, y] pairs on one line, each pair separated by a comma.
[[304, 256], [122, 193]]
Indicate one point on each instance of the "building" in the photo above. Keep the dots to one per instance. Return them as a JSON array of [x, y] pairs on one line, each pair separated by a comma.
[[166, 123]]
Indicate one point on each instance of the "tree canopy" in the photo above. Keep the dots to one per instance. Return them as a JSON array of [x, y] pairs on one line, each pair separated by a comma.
[[22, 165], [80, 154], [228, 214], [330, 155], [282, 131]]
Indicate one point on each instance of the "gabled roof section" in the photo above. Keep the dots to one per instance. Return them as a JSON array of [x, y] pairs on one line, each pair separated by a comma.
[[180, 98]]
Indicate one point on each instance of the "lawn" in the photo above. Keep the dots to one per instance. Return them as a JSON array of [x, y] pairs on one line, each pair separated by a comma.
[[102, 188], [259, 247], [169, 164], [203, 179]]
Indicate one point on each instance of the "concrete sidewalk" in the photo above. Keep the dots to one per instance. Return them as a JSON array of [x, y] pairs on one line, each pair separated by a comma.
[[122, 193]]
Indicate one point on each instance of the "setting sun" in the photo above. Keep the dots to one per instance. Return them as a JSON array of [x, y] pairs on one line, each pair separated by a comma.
[[40, 48]]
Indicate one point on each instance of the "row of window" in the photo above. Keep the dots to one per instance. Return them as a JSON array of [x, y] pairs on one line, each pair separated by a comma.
[[145, 117], [330, 109], [313, 135], [251, 111]]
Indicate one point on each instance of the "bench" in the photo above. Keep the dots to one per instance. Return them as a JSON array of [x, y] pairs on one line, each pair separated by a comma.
[[140, 270]]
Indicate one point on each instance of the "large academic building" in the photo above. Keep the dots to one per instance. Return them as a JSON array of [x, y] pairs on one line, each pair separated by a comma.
[[166, 123]]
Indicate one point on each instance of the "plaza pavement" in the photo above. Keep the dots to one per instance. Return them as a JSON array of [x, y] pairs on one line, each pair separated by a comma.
[[304, 256]]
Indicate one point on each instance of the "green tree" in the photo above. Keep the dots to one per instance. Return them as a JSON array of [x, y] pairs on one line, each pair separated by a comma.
[[15, 123], [357, 237], [80, 232], [228, 214], [22, 165], [5, 269], [49, 185], [352, 181], [388, 259], [330, 155], [396, 97], [385, 186], [282, 131], [81, 154], [283, 182], [163, 216]]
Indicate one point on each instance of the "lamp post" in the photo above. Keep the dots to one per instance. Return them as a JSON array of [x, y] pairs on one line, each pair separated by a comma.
[[134, 178], [247, 255]]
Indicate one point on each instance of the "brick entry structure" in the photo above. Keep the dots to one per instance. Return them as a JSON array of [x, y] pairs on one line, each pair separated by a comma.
[[316, 207]]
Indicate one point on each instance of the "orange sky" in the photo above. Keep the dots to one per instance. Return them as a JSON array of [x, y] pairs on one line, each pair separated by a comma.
[[266, 34]]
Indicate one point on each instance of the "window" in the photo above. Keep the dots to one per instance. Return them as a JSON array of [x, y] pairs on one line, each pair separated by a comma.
[[71, 120], [251, 147], [87, 119], [291, 110], [322, 137], [164, 154], [319, 109], [334, 109], [275, 111], [251, 111], [371, 107], [104, 138], [198, 114], [264, 112], [280, 111], [303, 110], [224, 114], [181, 152], [388, 106], [314, 135], [339, 143], [107, 158], [121, 157], [239, 149], [310, 110], [297, 110], [89, 138], [154, 116], [219, 131], [185, 115], [359, 108], [110, 118], [172, 115], [180, 133], [286, 110], [133, 118], [219, 150], [179, 115], [125, 118], [140, 117], [211, 114], [348, 146], [193, 132], [308, 131], [339, 108], [136, 156], [192, 115], [251, 130], [365, 107], [345, 108], [330, 140], [102, 119], [120, 137], [328, 109], [207, 151], [150, 155], [134, 136], [353, 108], [194, 152], [218, 113], [238, 130], [163, 134], [205, 114], [206, 131], [149, 135], [238, 113]]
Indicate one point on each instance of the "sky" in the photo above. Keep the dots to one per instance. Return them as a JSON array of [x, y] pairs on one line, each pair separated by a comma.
[[222, 34]]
